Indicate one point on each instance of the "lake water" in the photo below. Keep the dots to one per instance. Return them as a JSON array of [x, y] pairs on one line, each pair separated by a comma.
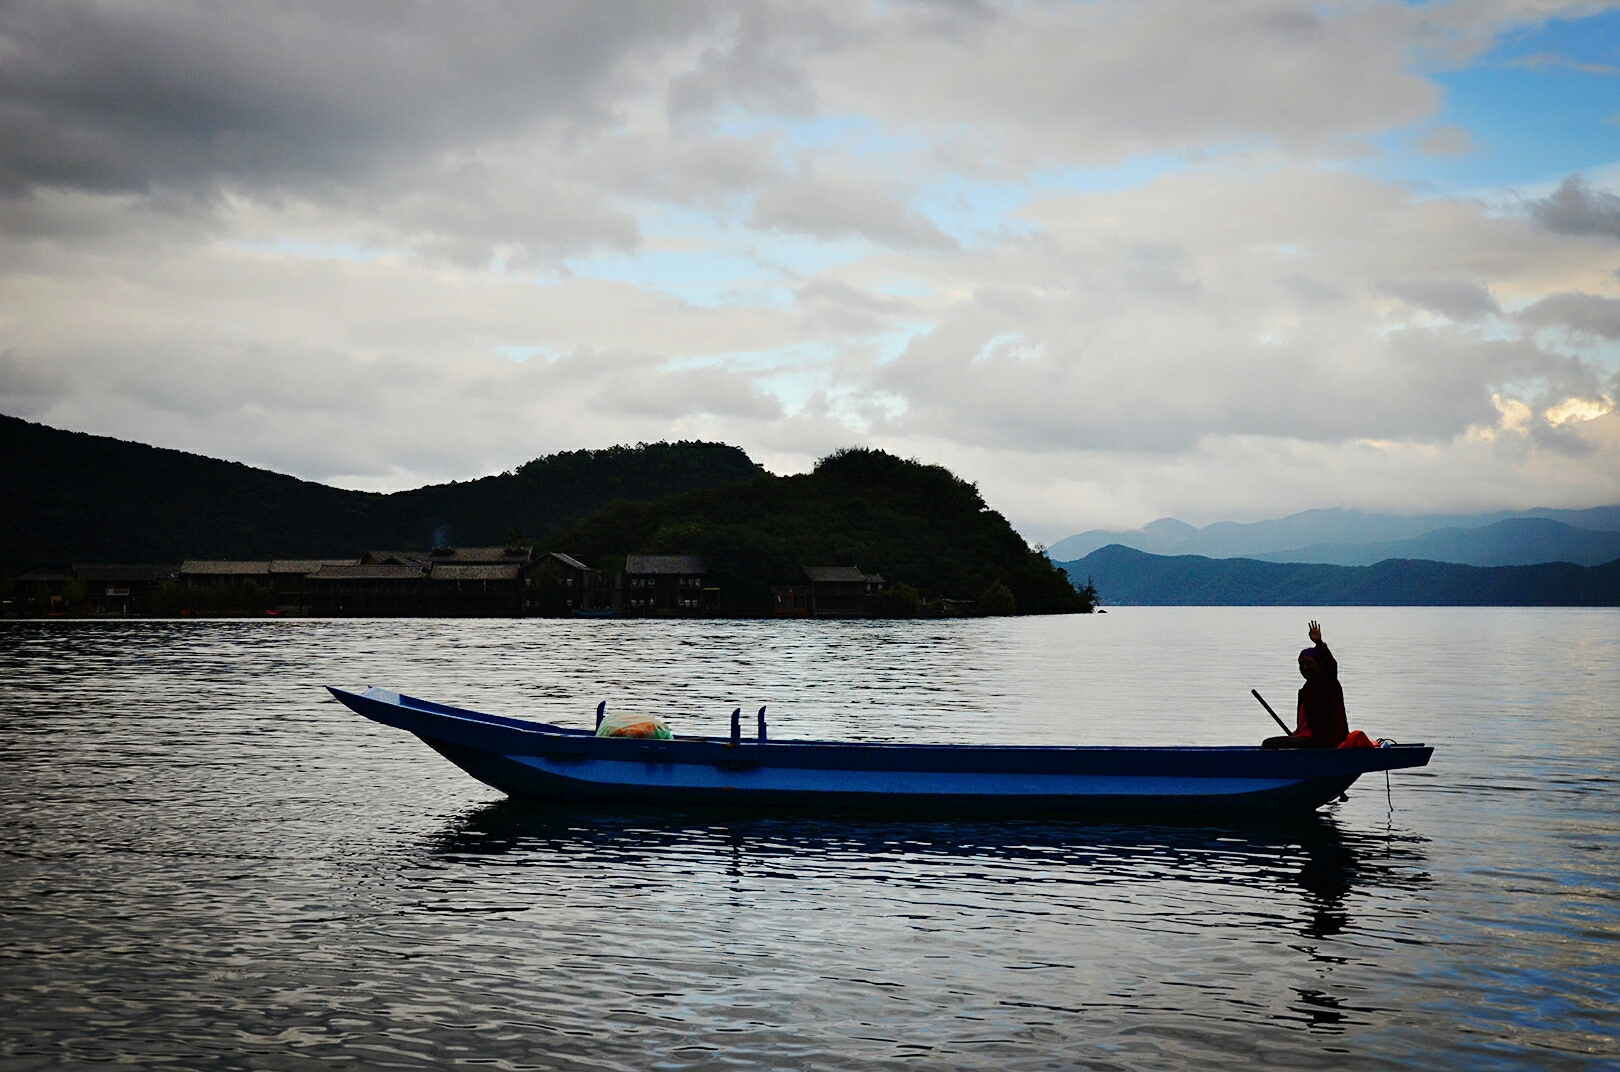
[[204, 863]]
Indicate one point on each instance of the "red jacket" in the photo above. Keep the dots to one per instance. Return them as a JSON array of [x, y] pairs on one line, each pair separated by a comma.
[[1321, 704]]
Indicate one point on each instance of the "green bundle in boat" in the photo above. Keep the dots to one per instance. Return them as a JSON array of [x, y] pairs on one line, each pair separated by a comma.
[[627, 724]]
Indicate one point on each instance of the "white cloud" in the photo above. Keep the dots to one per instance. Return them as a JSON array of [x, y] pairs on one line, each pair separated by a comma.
[[1579, 409]]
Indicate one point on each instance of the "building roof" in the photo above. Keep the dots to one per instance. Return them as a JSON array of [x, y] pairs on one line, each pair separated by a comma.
[[476, 571], [831, 574], [679, 564], [308, 565], [216, 568], [458, 555], [568, 560], [44, 575], [107, 571], [394, 558], [368, 572]]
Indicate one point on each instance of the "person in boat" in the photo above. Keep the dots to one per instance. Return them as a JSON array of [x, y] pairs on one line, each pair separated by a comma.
[[1321, 720]]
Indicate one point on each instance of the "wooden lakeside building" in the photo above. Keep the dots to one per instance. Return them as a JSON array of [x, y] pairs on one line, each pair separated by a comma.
[[123, 590], [100, 590], [831, 592], [279, 583], [668, 586], [461, 582], [39, 592], [446, 582], [559, 585]]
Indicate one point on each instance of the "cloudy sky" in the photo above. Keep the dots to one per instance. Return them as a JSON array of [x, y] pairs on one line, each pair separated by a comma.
[[1112, 261]]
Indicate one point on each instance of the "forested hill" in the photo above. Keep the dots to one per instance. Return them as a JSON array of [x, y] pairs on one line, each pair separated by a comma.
[[917, 525], [1125, 576], [67, 496]]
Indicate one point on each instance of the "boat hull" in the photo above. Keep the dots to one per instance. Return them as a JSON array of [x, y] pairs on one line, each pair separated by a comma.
[[548, 763]]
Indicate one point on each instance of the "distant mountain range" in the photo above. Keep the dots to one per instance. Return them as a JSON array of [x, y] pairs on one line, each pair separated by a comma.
[[70, 497], [1520, 541], [1125, 577], [1353, 538]]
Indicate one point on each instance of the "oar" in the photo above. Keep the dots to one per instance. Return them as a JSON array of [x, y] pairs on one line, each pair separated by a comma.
[[1272, 713]]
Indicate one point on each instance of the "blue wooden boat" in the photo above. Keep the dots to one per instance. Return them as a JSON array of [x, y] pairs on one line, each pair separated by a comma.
[[536, 761]]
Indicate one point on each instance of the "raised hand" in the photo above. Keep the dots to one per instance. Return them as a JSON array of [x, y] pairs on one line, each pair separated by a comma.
[[1314, 631]]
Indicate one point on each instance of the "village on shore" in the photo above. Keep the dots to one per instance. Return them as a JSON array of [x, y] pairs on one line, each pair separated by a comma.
[[449, 582]]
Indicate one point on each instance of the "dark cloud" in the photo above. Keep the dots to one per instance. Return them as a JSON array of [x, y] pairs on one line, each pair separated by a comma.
[[1562, 439], [450, 130], [1312, 291], [1590, 313], [1456, 299], [124, 97], [757, 64], [1575, 208]]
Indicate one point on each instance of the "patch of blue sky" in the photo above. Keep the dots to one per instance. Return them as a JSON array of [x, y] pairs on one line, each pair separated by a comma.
[[972, 211], [793, 356], [1005, 344], [1125, 175], [804, 356], [1578, 346], [859, 135], [905, 288], [852, 405], [794, 389], [891, 344], [793, 375], [1544, 102], [713, 262], [798, 373], [981, 212]]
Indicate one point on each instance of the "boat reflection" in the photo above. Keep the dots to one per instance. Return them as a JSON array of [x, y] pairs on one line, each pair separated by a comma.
[[1315, 859]]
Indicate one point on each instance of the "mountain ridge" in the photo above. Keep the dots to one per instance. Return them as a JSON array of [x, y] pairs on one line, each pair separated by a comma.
[[1311, 531], [1125, 576], [1519, 541], [71, 496]]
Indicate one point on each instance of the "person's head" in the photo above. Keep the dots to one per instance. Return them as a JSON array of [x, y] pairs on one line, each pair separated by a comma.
[[1307, 663]]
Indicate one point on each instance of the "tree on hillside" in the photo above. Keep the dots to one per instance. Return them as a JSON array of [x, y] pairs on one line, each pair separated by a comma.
[[997, 601], [918, 525]]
